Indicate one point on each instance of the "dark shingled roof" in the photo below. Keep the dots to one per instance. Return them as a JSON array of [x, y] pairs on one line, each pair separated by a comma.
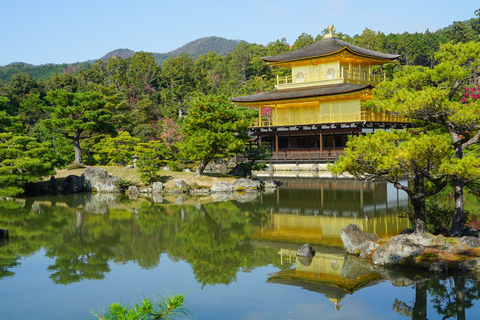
[[325, 47], [303, 92]]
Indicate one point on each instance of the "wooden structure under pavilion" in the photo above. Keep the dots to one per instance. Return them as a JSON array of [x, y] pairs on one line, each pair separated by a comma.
[[314, 110]]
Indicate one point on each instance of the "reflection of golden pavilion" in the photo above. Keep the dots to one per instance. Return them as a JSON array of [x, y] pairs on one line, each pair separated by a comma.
[[315, 210], [326, 274]]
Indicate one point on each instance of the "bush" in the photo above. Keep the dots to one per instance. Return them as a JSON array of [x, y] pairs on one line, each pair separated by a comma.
[[123, 185], [76, 166], [163, 308]]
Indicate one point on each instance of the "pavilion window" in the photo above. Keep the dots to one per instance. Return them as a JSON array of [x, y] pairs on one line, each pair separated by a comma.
[[331, 73]]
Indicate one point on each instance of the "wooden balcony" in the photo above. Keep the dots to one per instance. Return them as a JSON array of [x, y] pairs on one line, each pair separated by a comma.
[[335, 76], [326, 119], [299, 156]]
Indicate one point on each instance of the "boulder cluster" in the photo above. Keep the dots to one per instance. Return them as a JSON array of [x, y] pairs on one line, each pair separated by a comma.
[[404, 248]]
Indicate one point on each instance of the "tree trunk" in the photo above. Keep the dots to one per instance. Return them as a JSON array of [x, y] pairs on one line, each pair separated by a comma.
[[202, 166], [76, 147], [418, 202], [458, 220]]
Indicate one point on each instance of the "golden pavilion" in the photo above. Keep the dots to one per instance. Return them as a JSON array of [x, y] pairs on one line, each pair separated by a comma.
[[316, 108]]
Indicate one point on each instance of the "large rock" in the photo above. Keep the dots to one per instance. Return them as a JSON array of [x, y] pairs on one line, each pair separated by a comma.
[[133, 190], [438, 267], [247, 185], [107, 185], [92, 176], [71, 184], [270, 184], [157, 187], [241, 170], [471, 242], [353, 238], [3, 233], [306, 250], [181, 184], [368, 248], [222, 186], [396, 250], [470, 265]]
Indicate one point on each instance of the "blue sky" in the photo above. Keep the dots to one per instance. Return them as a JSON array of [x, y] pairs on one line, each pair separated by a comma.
[[58, 31]]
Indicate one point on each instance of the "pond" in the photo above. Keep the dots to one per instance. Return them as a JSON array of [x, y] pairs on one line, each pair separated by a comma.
[[69, 255]]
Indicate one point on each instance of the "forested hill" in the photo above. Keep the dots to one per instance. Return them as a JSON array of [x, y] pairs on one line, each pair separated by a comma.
[[194, 48], [200, 46]]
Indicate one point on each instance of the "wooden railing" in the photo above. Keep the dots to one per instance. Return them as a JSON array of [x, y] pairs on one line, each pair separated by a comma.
[[300, 156], [328, 119], [337, 74]]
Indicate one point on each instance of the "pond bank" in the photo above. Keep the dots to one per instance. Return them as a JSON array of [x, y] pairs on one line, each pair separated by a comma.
[[435, 254]]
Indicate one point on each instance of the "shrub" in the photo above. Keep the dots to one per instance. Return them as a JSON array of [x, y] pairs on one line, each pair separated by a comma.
[[164, 308], [123, 185]]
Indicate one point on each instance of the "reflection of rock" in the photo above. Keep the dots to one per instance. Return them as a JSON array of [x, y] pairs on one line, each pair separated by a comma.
[[133, 196], [199, 192], [221, 186], [3, 233], [99, 203], [247, 185], [306, 250], [92, 176], [222, 196], [306, 261], [3, 242], [157, 198], [354, 268], [353, 238], [245, 197], [181, 199]]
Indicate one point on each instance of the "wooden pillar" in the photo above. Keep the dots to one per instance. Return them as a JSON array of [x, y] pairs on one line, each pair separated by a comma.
[[260, 116], [289, 142], [276, 141], [321, 141]]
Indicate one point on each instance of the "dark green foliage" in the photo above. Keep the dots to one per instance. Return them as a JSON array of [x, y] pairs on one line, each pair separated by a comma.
[[123, 185]]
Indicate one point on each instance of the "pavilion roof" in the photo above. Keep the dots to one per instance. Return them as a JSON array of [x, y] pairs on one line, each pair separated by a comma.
[[328, 46], [303, 92]]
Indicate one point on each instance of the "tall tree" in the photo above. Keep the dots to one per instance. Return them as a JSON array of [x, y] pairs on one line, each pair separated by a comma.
[[434, 97], [78, 116], [392, 155], [214, 128]]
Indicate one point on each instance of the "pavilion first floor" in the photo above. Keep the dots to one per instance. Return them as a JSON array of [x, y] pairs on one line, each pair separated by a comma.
[[313, 124]]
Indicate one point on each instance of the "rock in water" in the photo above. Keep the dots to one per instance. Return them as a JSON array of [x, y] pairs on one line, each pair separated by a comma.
[[221, 187], [71, 184], [247, 185], [3, 233], [91, 178], [396, 250], [133, 190], [353, 238], [157, 187], [306, 251]]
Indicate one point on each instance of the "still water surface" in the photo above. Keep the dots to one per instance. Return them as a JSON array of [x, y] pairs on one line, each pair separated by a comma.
[[69, 255]]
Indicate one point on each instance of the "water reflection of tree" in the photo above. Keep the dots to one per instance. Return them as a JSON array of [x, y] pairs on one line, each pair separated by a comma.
[[213, 238], [450, 297]]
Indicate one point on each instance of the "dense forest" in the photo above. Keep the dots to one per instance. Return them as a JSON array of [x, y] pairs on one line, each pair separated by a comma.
[[127, 105]]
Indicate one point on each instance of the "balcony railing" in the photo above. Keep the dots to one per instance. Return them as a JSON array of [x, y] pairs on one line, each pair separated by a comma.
[[330, 75], [328, 119]]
